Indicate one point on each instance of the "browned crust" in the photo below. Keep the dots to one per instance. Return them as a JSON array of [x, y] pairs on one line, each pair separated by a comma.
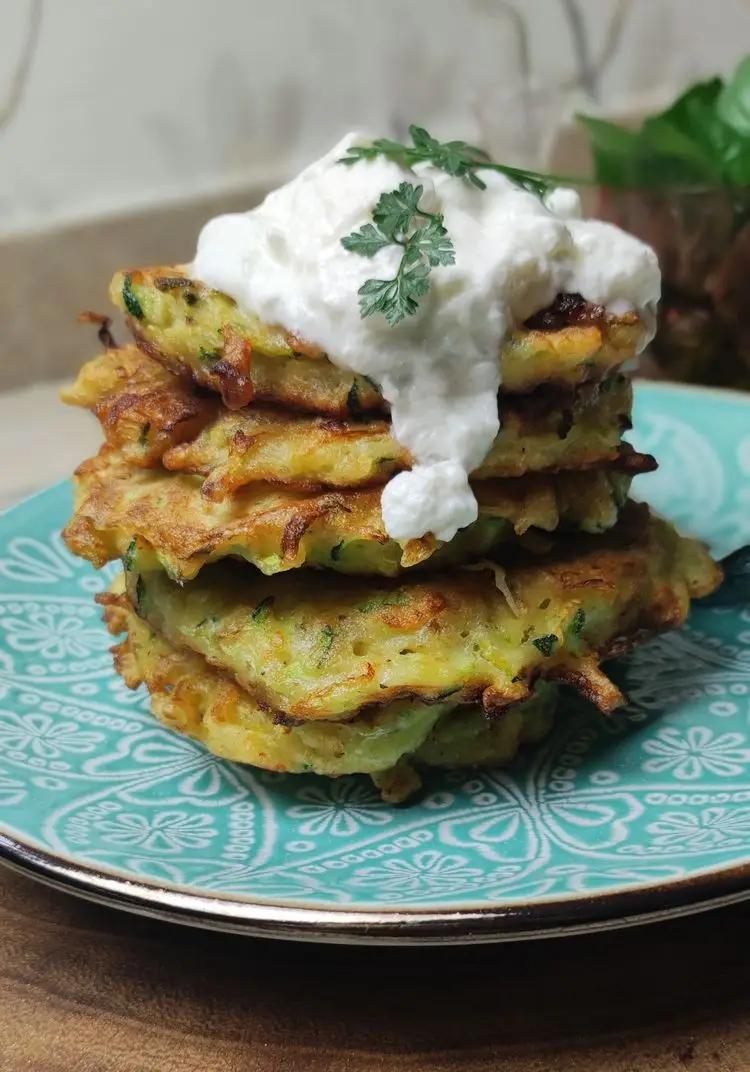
[[588, 679], [104, 323], [301, 346], [628, 460], [310, 512], [172, 282], [565, 311], [234, 370], [149, 412], [644, 597], [117, 499]]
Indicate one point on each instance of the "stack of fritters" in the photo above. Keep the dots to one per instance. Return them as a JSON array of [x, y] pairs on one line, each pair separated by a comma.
[[267, 610]]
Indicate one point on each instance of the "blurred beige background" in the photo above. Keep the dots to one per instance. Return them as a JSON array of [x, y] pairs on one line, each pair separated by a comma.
[[127, 104], [123, 125]]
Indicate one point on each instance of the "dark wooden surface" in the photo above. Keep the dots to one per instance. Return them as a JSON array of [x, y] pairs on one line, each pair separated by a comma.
[[89, 989]]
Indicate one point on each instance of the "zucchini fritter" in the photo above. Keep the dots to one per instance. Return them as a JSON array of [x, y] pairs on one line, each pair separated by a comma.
[[189, 696], [177, 528], [143, 408], [314, 646], [190, 326], [151, 415]]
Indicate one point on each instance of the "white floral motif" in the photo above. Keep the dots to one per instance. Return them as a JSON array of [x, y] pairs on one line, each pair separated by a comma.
[[53, 639], [168, 831], [122, 694], [591, 821], [12, 791], [506, 834], [428, 871], [678, 444], [147, 802], [32, 562], [706, 829], [699, 751], [43, 736], [339, 808]]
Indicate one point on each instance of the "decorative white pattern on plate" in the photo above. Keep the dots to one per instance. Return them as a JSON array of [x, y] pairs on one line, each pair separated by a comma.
[[660, 792]]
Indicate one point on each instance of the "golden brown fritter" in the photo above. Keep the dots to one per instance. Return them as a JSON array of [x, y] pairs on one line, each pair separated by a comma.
[[143, 408], [192, 327], [314, 646], [192, 698], [276, 528], [151, 415]]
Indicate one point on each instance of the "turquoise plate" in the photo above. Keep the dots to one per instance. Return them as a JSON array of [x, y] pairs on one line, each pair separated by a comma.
[[609, 822]]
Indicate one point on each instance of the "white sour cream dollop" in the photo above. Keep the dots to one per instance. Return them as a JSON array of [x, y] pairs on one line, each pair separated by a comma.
[[439, 369]]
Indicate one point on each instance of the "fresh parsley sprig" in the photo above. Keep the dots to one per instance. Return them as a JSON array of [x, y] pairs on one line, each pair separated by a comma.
[[455, 157], [398, 219]]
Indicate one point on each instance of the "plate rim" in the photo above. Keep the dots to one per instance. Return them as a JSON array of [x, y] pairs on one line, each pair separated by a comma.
[[725, 393], [503, 921]]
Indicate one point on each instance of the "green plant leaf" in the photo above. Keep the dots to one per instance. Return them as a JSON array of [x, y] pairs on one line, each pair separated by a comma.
[[614, 151], [733, 104], [433, 241], [396, 209], [367, 241], [710, 143], [666, 155], [375, 295], [701, 139]]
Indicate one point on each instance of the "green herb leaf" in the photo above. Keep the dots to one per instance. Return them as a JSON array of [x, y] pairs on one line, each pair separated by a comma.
[[395, 210], [129, 557], [367, 241], [395, 600], [143, 437], [578, 621], [263, 610], [327, 635], [140, 593], [545, 644], [433, 242], [423, 140], [395, 298], [130, 300], [454, 157], [208, 357], [399, 220], [425, 245]]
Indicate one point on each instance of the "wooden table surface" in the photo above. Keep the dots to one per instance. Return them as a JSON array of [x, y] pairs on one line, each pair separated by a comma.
[[89, 989]]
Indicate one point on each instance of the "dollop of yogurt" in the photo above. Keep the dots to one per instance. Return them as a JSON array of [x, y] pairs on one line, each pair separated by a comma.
[[439, 369]]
